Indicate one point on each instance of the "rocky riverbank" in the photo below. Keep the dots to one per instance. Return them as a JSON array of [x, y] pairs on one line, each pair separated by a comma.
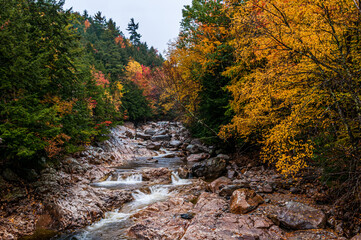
[[240, 202]]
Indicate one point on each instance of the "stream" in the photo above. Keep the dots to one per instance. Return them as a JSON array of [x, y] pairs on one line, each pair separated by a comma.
[[129, 177]]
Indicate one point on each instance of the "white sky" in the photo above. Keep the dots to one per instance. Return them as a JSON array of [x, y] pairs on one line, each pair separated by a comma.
[[159, 20]]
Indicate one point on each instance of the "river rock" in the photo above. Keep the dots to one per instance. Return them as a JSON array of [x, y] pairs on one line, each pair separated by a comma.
[[197, 157], [228, 190], [161, 138], [161, 220], [156, 175], [154, 146], [129, 134], [210, 168], [169, 155], [143, 136], [297, 216], [218, 184], [129, 125], [150, 131], [244, 201], [193, 148], [175, 143]]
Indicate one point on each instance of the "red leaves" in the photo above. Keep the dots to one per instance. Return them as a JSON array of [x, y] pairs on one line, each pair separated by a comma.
[[100, 78]]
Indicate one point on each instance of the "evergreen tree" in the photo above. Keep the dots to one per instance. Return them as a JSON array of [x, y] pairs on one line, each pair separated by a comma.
[[134, 35]]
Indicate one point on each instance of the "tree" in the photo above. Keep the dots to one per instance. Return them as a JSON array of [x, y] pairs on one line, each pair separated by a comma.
[[134, 35]]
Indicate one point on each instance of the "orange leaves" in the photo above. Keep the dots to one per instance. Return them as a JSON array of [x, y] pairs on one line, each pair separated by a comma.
[[120, 41], [53, 147], [86, 25]]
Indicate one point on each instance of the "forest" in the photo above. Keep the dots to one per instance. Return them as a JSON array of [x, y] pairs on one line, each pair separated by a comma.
[[273, 79]]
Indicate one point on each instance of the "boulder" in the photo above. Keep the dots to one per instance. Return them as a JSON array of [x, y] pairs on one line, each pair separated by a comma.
[[218, 184], [129, 125], [197, 157], [228, 190], [157, 175], [143, 136], [193, 148], [161, 138], [150, 131], [175, 143], [297, 216], [161, 132], [154, 146], [210, 168], [129, 134], [244, 201]]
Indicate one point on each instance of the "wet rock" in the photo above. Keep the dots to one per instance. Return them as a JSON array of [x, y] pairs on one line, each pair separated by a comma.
[[231, 173], [129, 134], [183, 172], [9, 175], [266, 188], [161, 220], [161, 132], [156, 175], [208, 220], [169, 155], [175, 143], [154, 146], [228, 190], [129, 125], [150, 132], [218, 184], [143, 136], [297, 216], [161, 138], [197, 157], [193, 148], [187, 216], [244, 201], [210, 168]]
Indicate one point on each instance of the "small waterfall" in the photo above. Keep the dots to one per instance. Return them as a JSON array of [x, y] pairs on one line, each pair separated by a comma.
[[176, 180], [132, 179], [157, 193]]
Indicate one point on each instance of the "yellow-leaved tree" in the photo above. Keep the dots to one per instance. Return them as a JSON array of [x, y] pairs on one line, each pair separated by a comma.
[[297, 77]]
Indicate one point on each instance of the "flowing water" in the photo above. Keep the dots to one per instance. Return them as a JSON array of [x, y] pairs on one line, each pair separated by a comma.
[[115, 223]]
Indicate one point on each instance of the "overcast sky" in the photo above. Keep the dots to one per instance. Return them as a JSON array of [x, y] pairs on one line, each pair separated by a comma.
[[159, 20]]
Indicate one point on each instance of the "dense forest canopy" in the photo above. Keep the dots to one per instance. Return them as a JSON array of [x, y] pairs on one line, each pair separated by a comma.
[[66, 78]]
